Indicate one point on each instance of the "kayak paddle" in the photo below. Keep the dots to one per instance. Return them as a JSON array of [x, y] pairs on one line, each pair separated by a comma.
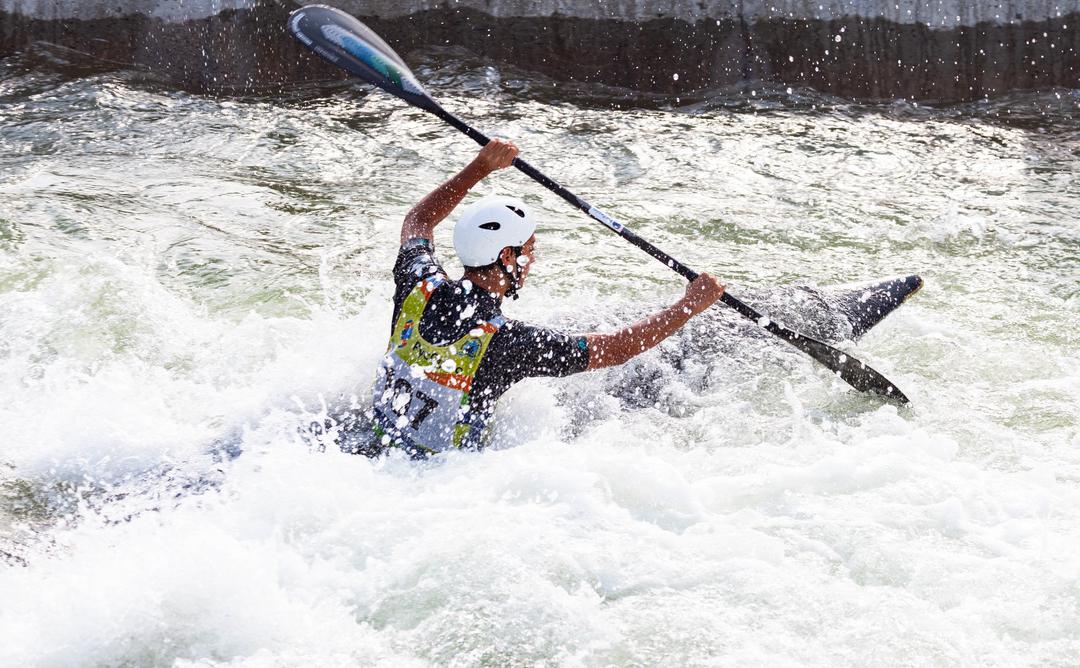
[[352, 46]]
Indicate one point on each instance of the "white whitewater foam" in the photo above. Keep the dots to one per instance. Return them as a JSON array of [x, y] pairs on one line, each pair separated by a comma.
[[215, 273]]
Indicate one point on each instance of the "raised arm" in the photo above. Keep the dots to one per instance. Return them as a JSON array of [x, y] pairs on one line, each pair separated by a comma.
[[621, 346], [421, 221]]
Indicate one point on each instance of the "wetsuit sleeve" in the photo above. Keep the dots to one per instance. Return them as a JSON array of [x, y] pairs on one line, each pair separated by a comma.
[[415, 262], [523, 351]]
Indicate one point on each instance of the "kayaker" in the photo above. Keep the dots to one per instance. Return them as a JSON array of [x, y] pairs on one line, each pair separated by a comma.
[[452, 354]]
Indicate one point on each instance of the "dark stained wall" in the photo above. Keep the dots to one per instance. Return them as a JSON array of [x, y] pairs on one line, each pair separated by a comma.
[[249, 50]]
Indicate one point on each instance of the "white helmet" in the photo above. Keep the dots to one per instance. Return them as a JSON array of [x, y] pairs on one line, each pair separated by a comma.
[[489, 225]]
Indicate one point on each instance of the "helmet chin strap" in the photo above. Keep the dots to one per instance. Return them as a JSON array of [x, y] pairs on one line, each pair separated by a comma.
[[513, 276]]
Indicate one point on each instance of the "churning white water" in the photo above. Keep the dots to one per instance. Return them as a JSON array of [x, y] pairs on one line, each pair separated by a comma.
[[183, 277]]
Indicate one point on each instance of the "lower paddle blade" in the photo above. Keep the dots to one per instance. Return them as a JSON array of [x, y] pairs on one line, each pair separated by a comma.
[[352, 46], [850, 370]]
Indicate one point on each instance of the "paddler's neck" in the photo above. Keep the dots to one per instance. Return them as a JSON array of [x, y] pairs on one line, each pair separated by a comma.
[[488, 279]]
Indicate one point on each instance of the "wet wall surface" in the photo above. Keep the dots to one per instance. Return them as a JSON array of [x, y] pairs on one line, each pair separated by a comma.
[[863, 58]]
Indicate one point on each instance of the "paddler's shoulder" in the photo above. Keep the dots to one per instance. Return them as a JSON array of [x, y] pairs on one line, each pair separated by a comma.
[[415, 261]]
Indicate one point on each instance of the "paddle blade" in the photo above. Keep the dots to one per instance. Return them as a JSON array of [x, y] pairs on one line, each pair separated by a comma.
[[852, 371], [352, 46]]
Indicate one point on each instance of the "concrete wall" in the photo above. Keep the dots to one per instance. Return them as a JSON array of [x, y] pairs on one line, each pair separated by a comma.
[[943, 50]]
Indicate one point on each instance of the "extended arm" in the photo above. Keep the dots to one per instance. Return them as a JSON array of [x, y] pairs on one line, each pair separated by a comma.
[[421, 221], [621, 346]]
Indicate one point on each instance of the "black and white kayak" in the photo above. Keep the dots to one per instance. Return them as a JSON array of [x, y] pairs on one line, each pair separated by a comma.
[[838, 313]]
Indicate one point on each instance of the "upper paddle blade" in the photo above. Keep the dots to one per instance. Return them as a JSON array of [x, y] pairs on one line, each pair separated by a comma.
[[352, 46]]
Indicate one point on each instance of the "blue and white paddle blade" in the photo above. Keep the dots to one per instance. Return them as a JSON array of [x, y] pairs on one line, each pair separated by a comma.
[[346, 42]]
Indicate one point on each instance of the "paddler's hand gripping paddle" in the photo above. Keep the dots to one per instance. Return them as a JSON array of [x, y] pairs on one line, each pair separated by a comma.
[[352, 46]]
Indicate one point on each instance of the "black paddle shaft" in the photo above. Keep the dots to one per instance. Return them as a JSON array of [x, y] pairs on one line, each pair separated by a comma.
[[623, 231], [555, 187], [823, 353]]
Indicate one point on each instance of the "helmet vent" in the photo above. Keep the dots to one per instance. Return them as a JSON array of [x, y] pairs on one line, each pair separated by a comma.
[[490, 226], [519, 212]]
